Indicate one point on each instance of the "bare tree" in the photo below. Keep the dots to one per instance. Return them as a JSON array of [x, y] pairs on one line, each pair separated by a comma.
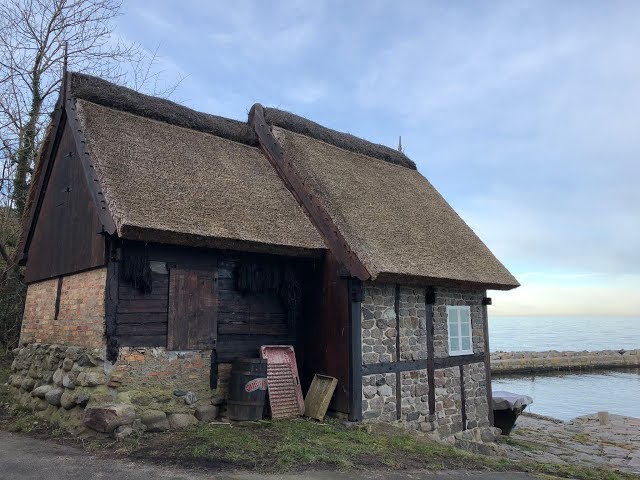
[[33, 38]]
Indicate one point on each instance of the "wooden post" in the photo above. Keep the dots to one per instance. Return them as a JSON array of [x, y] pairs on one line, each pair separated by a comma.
[[487, 359], [355, 350], [429, 300]]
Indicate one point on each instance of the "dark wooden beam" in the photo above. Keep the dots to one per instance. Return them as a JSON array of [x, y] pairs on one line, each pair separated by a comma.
[[111, 299], [396, 307], [463, 399], [58, 293], [458, 360], [108, 226], [429, 300], [306, 197], [487, 361], [394, 367], [355, 350]]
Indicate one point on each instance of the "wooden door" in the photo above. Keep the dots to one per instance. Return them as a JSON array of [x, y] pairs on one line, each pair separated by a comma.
[[193, 309]]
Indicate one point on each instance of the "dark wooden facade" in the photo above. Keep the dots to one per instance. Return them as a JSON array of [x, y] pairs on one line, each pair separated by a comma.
[[67, 234]]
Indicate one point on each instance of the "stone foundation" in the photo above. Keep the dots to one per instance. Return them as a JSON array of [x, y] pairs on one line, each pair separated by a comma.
[[80, 317], [145, 389]]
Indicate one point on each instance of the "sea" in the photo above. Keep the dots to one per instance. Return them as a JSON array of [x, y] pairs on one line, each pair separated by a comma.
[[568, 395]]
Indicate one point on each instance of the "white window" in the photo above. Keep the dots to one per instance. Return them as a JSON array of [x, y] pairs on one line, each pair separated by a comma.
[[459, 325]]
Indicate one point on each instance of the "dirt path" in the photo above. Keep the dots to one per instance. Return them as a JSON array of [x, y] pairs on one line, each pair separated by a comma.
[[26, 458], [583, 440]]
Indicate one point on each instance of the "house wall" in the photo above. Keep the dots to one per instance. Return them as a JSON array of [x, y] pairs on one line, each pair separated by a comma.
[[394, 329], [80, 317]]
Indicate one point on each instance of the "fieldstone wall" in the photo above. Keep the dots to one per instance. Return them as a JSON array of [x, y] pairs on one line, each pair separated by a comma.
[[378, 323], [475, 392], [448, 401], [145, 389], [415, 401], [413, 324], [80, 320], [379, 397], [457, 297], [379, 329], [532, 362]]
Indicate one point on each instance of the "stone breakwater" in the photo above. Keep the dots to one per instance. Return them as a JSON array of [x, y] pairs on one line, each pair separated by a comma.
[[549, 361]]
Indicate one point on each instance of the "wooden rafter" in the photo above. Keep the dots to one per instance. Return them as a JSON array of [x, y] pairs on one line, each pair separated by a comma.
[[308, 200]]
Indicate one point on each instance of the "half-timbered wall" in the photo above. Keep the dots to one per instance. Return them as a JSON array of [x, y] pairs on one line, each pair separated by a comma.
[[66, 237], [408, 375]]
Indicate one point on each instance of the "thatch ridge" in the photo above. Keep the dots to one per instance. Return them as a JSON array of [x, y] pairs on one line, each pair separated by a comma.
[[295, 123], [107, 94]]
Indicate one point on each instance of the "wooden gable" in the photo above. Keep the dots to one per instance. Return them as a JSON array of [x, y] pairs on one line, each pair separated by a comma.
[[65, 236]]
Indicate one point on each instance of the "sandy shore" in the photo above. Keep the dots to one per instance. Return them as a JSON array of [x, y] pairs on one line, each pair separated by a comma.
[[584, 440]]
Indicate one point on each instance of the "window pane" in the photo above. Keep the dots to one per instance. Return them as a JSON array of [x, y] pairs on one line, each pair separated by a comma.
[[454, 344], [464, 314], [466, 343], [453, 329], [465, 329]]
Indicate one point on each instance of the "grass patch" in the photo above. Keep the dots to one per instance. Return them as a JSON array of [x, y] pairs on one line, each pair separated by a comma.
[[527, 445]]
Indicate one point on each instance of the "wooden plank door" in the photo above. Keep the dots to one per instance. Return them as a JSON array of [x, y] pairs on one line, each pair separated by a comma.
[[193, 309]]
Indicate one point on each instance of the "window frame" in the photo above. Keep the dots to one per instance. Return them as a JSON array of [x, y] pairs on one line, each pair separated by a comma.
[[459, 351]]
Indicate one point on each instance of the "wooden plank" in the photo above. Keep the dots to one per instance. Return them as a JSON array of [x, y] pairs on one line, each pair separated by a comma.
[[141, 329], [252, 329], [231, 347], [319, 396], [141, 318], [143, 306], [396, 308], [429, 300], [311, 203], [143, 341]]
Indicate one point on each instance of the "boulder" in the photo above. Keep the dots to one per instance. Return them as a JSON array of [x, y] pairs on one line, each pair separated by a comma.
[[41, 391], [122, 431], [106, 418], [206, 413], [68, 381], [57, 377], [155, 421], [67, 364], [190, 398], [53, 396], [68, 400], [181, 420], [91, 378], [28, 383]]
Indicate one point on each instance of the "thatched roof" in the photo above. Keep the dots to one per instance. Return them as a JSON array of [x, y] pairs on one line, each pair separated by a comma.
[[169, 184], [97, 90], [393, 218]]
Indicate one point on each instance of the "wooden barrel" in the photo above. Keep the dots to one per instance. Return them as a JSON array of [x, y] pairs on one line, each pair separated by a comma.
[[247, 389]]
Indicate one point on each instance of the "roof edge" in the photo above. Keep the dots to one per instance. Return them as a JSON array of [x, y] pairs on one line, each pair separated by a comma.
[[154, 235], [389, 277]]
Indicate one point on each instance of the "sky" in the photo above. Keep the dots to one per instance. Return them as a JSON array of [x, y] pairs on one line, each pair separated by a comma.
[[525, 115]]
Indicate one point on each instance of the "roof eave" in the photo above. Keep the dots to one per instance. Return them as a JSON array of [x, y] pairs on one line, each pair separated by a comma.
[[425, 280]]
